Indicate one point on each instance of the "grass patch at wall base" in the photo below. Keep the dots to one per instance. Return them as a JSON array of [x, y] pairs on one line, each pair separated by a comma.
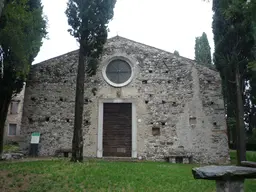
[[63, 176]]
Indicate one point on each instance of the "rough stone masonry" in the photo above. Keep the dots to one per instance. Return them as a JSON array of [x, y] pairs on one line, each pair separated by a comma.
[[178, 108]]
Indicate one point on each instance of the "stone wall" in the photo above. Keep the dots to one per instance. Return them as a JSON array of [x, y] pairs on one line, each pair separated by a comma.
[[179, 107], [49, 103]]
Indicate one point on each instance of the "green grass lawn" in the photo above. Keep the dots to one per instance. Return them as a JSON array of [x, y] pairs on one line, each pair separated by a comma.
[[250, 156], [64, 176]]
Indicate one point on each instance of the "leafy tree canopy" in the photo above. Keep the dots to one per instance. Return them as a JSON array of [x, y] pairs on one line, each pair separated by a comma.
[[22, 28]]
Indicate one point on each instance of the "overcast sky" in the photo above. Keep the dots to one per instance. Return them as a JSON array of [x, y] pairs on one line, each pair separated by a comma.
[[166, 24]]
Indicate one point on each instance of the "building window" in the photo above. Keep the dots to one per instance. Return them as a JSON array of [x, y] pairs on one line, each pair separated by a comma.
[[118, 72], [12, 129], [14, 107]]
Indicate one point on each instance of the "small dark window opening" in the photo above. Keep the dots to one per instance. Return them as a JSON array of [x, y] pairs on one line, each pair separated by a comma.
[[65, 154], [208, 81], [163, 102], [169, 143], [94, 91], [192, 120], [215, 123], [169, 81], [61, 99], [144, 82], [67, 120], [12, 129], [174, 104], [178, 78], [14, 107], [163, 123], [150, 71], [47, 119], [86, 100], [166, 71], [146, 102], [155, 131], [45, 99], [65, 81], [30, 120], [33, 98], [179, 159], [212, 102]]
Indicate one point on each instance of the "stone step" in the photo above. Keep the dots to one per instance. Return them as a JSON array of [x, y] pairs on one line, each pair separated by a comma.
[[11, 156], [122, 159]]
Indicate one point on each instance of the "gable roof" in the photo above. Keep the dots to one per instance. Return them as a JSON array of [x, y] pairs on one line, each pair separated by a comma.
[[125, 39], [136, 42]]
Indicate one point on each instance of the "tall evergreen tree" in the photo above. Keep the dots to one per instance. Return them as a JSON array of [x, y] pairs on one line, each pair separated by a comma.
[[22, 28], [176, 53], [203, 50], [251, 91], [88, 20], [197, 48], [232, 21]]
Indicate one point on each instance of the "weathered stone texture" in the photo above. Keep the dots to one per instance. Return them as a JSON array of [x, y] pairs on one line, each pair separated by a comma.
[[214, 172], [49, 103], [228, 178], [179, 106]]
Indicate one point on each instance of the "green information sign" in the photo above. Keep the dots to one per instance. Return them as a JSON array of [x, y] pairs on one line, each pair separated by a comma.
[[35, 137]]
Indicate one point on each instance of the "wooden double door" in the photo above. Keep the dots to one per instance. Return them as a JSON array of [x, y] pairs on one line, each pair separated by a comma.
[[117, 129]]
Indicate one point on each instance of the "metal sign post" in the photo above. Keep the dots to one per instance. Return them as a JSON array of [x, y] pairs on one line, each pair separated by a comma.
[[35, 138]]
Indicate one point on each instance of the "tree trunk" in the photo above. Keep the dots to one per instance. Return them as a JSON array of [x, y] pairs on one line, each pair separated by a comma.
[[240, 128], [230, 126], [1, 6], [77, 142], [5, 100], [230, 88]]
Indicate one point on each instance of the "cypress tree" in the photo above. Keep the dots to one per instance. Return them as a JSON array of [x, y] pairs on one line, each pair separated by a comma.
[[203, 50], [88, 20], [176, 53], [232, 20]]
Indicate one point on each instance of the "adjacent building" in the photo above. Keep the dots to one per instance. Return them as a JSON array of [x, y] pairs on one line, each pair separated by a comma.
[[14, 117]]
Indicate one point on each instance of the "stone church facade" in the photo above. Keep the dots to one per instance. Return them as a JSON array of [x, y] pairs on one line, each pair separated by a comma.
[[142, 103]]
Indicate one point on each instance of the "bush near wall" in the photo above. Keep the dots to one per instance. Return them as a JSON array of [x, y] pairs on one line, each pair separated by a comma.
[[249, 147], [250, 156]]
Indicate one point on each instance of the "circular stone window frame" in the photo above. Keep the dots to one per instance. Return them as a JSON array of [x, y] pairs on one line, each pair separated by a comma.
[[108, 61]]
